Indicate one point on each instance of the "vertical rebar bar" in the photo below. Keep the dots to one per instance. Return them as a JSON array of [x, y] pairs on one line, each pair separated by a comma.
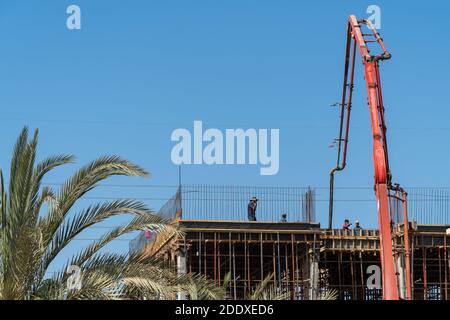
[[446, 266], [234, 272], [261, 255], [424, 270]]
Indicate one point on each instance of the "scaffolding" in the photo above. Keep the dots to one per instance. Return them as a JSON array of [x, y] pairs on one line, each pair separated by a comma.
[[303, 260]]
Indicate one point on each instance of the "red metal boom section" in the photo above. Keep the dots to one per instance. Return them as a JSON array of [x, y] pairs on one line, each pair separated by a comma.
[[357, 39]]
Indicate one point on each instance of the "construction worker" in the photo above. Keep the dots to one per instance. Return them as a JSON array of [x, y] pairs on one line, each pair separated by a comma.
[[346, 225], [283, 217], [357, 227], [251, 209]]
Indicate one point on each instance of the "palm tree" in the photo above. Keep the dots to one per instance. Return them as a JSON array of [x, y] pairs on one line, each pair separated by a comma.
[[265, 290], [37, 223]]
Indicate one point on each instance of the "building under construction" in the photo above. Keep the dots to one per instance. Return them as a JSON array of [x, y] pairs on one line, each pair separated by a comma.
[[302, 260], [399, 260]]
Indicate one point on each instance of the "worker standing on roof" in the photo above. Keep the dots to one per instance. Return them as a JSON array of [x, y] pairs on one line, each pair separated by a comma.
[[346, 225], [357, 227], [251, 209]]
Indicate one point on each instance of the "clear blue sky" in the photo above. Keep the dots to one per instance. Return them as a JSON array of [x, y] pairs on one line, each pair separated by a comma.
[[140, 69]]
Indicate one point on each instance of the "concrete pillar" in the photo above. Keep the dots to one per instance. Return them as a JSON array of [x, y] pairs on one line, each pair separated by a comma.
[[400, 261], [314, 277], [310, 268], [182, 269]]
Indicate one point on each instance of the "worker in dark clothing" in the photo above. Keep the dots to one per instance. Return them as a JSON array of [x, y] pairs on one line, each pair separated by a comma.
[[346, 225], [357, 227], [283, 217], [251, 209]]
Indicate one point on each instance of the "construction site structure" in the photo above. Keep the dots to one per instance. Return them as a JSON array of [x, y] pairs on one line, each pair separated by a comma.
[[302, 260]]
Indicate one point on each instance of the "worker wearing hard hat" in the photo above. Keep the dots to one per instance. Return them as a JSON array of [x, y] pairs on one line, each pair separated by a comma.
[[357, 227]]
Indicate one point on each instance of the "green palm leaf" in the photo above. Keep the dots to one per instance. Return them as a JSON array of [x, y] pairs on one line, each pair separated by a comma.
[[31, 238]]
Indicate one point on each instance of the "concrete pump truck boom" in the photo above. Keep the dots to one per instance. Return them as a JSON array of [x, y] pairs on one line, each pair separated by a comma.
[[356, 39]]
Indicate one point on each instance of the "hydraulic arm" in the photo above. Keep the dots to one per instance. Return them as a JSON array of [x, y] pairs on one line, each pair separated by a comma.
[[358, 41]]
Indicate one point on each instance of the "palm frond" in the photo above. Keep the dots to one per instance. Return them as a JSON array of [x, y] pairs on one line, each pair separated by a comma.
[[30, 240], [82, 182], [152, 222], [329, 294], [267, 291], [198, 287], [68, 230]]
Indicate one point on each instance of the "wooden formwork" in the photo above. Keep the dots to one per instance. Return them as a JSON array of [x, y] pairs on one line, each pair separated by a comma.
[[303, 261]]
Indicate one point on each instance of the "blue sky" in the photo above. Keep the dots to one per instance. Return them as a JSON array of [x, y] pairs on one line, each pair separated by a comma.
[[138, 70]]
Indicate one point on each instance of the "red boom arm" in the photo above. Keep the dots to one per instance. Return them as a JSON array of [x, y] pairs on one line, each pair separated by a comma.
[[357, 39]]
